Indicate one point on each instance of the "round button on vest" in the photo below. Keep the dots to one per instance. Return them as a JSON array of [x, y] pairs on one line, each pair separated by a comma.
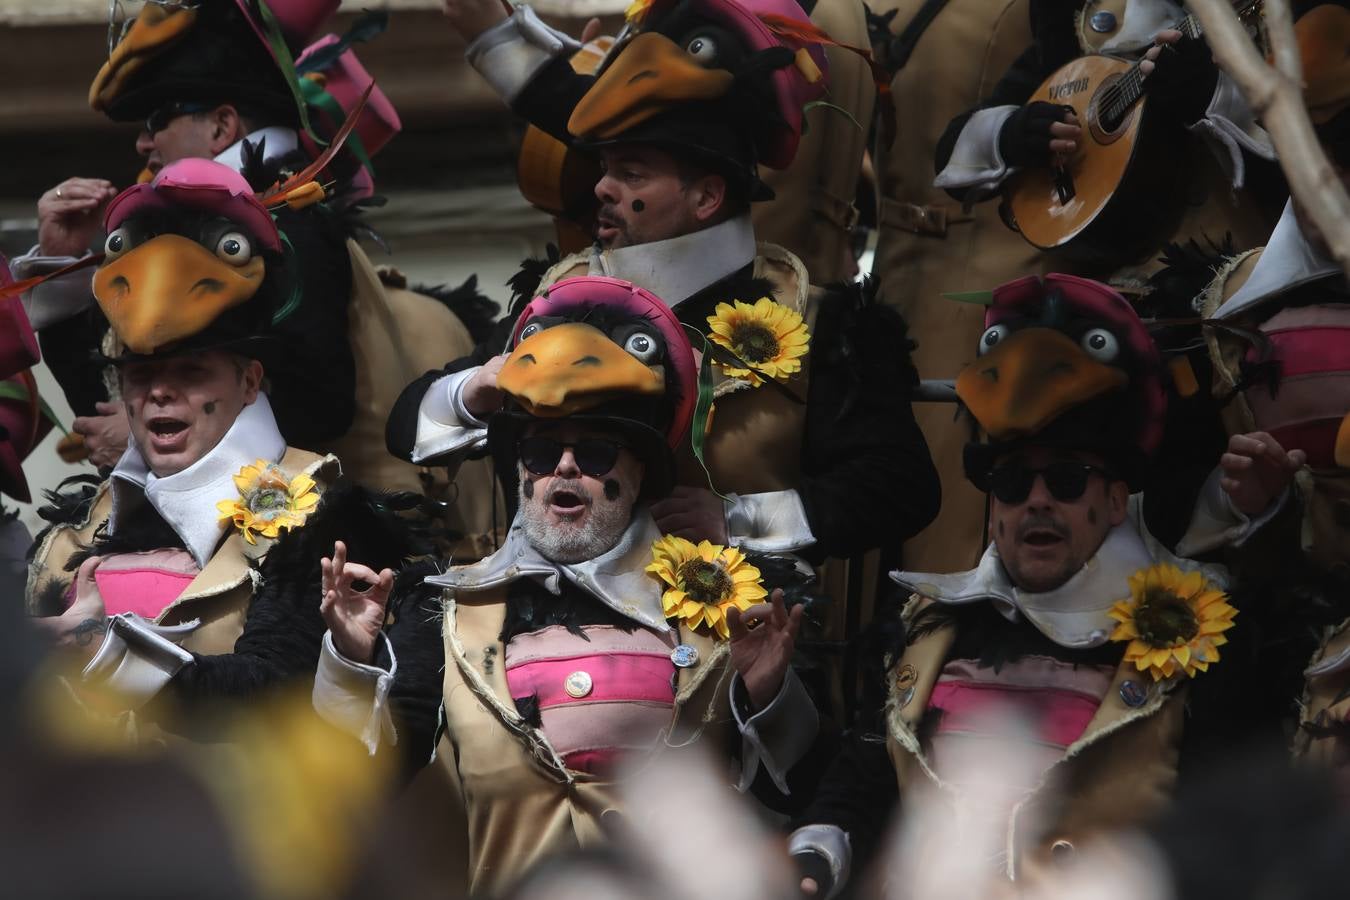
[[578, 684], [684, 656]]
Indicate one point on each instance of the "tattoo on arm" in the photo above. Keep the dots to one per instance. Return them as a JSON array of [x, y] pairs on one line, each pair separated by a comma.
[[87, 631]]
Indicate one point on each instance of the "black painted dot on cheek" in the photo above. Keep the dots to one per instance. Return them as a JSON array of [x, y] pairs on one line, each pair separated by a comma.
[[638, 206], [527, 488], [1001, 529], [1092, 516], [209, 407], [612, 490]]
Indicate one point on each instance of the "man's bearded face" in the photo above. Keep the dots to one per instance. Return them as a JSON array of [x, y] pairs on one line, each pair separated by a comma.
[[570, 515]]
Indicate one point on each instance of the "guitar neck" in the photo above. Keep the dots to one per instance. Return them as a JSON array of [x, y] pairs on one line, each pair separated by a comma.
[[1127, 91]]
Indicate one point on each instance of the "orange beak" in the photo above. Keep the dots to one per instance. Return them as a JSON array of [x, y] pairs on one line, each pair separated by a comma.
[[648, 76], [156, 29], [573, 367], [170, 288], [1031, 378]]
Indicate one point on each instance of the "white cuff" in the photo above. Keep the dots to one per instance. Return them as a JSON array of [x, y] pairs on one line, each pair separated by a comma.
[[1216, 522], [1229, 127], [831, 843], [777, 736], [54, 300], [138, 658], [771, 522], [354, 696], [510, 54], [444, 425], [975, 160]]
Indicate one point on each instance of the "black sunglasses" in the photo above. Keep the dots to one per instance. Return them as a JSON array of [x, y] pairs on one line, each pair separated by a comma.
[[1066, 481], [158, 120], [594, 456]]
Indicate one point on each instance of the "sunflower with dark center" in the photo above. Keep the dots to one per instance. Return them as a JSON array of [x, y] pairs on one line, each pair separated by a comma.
[[1174, 621], [768, 336], [268, 501], [703, 581]]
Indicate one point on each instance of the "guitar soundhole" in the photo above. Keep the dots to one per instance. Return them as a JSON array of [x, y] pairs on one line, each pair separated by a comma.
[[1107, 132]]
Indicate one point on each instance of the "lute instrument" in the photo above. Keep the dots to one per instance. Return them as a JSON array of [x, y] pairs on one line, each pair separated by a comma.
[[1090, 200]]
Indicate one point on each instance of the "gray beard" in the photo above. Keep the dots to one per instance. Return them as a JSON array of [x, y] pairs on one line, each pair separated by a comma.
[[568, 544]]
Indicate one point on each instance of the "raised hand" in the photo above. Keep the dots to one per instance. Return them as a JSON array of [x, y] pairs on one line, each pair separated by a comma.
[[81, 627], [473, 17], [482, 397], [105, 434], [353, 615], [68, 215], [695, 514], [1257, 470], [762, 639]]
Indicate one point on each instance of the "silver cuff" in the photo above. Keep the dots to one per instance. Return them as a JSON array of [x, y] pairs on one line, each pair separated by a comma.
[[771, 522], [138, 658], [830, 842], [443, 424], [975, 160], [777, 736], [354, 696], [54, 300], [1229, 126], [1216, 522], [510, 54]]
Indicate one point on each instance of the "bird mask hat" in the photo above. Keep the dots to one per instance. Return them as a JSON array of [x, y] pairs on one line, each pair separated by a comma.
[[187, 260], [605, 352], [1064, 361], [725, 79]]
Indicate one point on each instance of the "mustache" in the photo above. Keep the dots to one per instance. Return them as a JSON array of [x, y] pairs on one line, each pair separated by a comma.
[[1042, 522], [571, 486], [610, 213]]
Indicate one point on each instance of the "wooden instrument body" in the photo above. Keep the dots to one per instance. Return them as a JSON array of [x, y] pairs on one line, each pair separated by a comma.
[[558, 179], [1098, 168]]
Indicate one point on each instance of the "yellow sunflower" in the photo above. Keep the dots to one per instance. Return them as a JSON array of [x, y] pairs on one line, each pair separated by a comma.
[[1173, 620], [267, 501], [704, 581], [636, 12], [767, 335]]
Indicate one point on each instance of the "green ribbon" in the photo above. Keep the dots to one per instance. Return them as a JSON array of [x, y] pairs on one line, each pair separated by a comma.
[[979, 298], [315, 96], [10, 390], [282, 53], [698, 429], [296, 295]]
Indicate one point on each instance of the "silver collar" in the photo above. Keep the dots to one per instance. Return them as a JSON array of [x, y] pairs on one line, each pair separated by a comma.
[[677, 268], [1287, 262], [1074, 614], [617, 578]]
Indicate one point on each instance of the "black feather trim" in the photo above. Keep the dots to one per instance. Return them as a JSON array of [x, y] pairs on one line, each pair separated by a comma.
[[528, 707], [524, 284], [477, 312], [530, 607]]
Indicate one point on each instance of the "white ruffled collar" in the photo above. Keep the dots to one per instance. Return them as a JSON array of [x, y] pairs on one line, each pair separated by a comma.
[[1287, 262], [617, 578], [187, 500], [1073, 615], [677, 268]]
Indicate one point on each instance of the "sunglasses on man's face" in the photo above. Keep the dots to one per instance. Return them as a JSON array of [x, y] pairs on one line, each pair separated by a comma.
[[593, 456], [158, 120], [1066, 481]]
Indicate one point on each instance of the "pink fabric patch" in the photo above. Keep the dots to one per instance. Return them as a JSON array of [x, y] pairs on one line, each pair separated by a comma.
[[1056, 717], [144, 583], [621, 676]]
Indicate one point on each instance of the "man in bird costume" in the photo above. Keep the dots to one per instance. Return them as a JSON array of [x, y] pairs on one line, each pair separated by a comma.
[[1076, 621], [1281, 314], [590, 639], [194, 563], [252, 85], [812, 447]]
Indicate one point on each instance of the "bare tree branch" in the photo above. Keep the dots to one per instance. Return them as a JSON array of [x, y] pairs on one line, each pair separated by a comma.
[[1276, 96]]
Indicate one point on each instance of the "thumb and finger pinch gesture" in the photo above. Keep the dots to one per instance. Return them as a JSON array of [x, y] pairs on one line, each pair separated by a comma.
[[762, 640], [353, 604], [1256, 470]]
